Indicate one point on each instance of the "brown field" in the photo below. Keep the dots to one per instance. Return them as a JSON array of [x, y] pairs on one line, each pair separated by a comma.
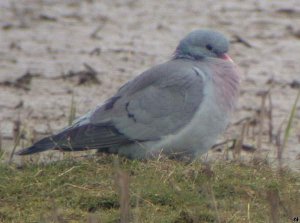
[[51, 50]]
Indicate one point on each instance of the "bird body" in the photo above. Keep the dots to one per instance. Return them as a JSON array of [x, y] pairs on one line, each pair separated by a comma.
[[178, 107]]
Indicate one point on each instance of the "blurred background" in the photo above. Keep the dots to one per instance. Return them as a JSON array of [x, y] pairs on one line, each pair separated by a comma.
[[54, 52]]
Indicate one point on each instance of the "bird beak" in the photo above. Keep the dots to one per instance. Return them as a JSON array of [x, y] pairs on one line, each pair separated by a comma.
[[226, 57]]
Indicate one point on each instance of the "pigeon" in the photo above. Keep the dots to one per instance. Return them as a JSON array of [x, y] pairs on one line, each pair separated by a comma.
[[179, 107]]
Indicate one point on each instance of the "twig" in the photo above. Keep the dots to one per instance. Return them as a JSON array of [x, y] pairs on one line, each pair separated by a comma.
[[248, 119], [78, 187], [67, 171], [239, 39], [94, 34], [90, 68], [222, 143]]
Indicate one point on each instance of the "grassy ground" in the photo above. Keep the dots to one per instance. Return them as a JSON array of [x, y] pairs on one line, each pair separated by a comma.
[[110, 189]]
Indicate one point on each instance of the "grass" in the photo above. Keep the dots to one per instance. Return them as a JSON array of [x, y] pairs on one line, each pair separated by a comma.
[[90, 190], [291, 118], [114, 189]]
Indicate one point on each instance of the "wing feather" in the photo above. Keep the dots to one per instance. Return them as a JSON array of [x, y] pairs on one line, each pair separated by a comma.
[[159, 102]]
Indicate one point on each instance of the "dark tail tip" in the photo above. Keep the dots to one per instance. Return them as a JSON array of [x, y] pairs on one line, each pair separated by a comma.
[[40, 146], [30, 150]]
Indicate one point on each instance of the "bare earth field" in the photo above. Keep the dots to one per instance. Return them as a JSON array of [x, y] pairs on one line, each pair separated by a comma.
[[51, 51]]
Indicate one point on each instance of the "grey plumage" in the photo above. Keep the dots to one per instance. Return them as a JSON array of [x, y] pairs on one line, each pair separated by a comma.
[[180, 106]]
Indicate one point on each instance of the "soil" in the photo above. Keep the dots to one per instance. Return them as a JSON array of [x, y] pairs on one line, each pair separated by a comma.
[[51, 51]]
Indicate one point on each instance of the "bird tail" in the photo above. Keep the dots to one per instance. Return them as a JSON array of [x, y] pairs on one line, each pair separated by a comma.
[[40, 146]]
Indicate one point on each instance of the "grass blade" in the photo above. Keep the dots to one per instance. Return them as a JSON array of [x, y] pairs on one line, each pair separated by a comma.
[[290, 121]]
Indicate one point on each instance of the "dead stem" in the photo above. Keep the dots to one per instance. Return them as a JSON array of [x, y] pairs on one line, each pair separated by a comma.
[[273, 199], [17, 137], [239, 142], [239, 39], [122, 183], [278, 144], [261, 118], [270, 117], [1, 152], [72, 113]]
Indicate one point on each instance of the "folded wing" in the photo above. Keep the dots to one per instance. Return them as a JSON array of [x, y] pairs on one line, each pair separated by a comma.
[[158, 102]]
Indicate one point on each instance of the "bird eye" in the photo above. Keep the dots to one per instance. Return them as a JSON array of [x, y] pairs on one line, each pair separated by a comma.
[[209, 47]]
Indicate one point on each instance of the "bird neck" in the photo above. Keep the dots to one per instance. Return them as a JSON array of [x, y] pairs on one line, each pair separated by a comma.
[[180, 55]]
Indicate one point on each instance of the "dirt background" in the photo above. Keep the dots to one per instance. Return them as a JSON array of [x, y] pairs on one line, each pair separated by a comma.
[[51, 50]]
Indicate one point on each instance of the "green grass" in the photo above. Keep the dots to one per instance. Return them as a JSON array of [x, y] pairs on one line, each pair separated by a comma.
[[290, 120], [87, 190]]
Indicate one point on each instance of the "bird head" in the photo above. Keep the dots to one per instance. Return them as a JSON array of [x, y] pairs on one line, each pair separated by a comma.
[[203, 43]]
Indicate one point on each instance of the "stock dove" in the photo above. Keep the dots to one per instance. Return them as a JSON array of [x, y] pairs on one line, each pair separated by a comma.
[[178, 107]]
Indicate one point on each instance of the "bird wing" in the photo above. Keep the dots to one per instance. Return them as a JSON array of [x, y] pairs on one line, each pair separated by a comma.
[[159, 102]]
